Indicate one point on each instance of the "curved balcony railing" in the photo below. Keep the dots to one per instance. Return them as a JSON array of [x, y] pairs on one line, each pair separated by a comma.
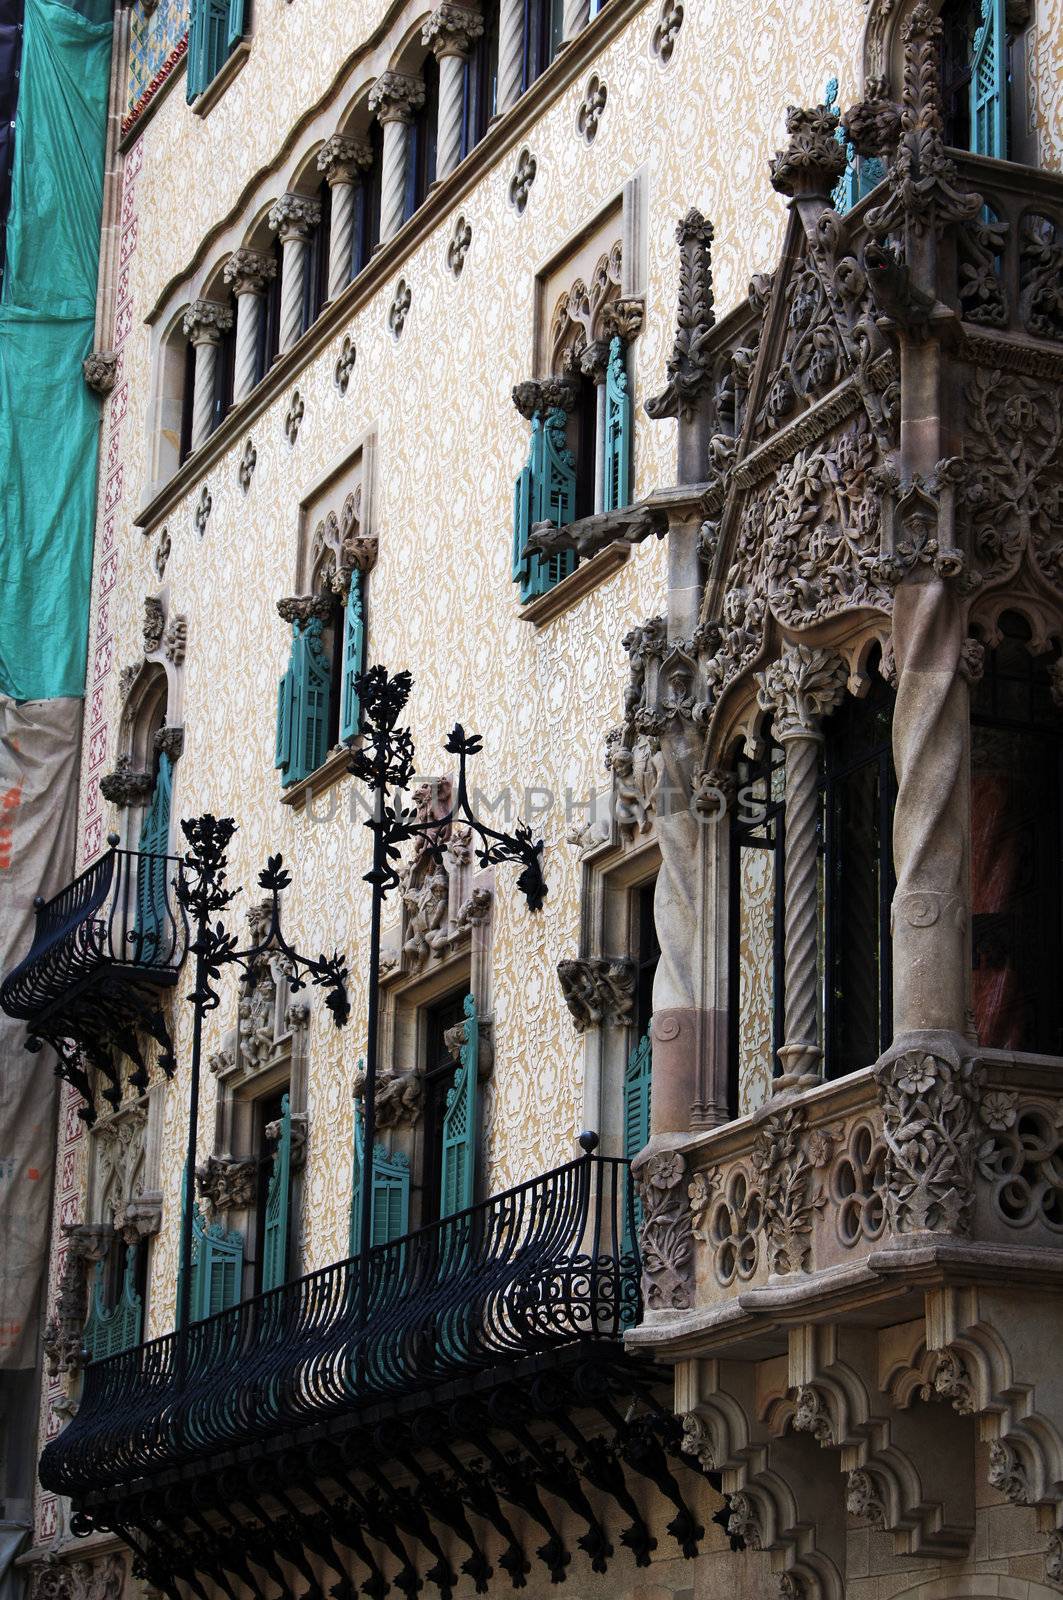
[[538, 1268], [121, 912]]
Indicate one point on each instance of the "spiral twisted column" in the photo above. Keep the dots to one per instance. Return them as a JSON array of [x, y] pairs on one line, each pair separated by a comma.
[[248, 272], [204, 323], [343, 160], [291, 219], [801, 688], [510, 53], [394, 100], [450, 32]]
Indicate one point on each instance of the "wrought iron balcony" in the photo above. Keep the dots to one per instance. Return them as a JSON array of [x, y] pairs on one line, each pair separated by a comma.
[[103, 949], [471, 1380]]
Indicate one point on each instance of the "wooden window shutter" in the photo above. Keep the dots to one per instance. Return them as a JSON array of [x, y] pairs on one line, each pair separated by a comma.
[[390, 1217], [353, 658], [236, 26], [216, 15], [989, 83], [217, 1268], [460, 1122], [287, 712], [637, 1082], [278, 1204], [618, 429], [553, 499], [110, 1330], [196, 73], [524, 498], [153, 843], [303, 706]]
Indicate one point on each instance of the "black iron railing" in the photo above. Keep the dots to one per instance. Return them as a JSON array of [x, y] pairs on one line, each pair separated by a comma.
[[121, 911], [524, 1274]]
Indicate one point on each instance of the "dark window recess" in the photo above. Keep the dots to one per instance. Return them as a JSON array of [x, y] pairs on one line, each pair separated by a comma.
[[439, 1077], [584, 430], [480, 85], [187, 400], [114, 1266], [315, 269], [332, 641], [267, 1110], [366, 234], [224, 372], [421, 144], [647, 955], [757, 825], [859, 790], [269, 321], [1016, 846], [961, 20], [542, 36]]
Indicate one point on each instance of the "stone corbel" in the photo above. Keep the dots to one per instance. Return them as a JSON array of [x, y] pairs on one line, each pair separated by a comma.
[[301, 607], [101, 370], [64, 1332], [227, 1185], [125, 787], [454, 1039], [538, 396], [169, 742], [628, 525], [598, 990], [140, 1218], [300, 1135], [623, 318]]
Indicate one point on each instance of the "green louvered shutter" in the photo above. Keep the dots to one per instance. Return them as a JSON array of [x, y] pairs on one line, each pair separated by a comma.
[[637, 1080], [236, 26], [196, 72], [287, 712], [523, 510], [390, 1217], [153, 843], [216, 14], [310, 741], [353, 655], [989, 83], [553, 500], [110, 1330], [460, 1131], [217, 1267], [278, 1203], [618, 426]]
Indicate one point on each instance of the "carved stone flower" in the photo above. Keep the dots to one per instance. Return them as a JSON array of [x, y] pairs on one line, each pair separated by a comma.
[[998, 1109], [919, 1075], [664, 1171], [820, 1147]]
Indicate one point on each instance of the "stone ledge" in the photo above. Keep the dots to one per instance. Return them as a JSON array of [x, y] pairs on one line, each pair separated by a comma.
[[331, 770], [571, 590], [203, 103]]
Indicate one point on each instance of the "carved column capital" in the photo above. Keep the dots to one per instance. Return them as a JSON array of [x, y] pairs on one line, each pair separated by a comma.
[[293, 216], [536, 396], [206, 320], [169, 742], [594, 359], [302, 608], [396, 97], [249, 271], [802, 687], [343, 158], [623, 318], [226, 1184], [598, 990], [100, 369], [125, 787], [813, 159], [451, 30]]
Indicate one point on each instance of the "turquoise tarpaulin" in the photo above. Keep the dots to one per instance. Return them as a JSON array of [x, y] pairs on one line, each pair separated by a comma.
[[49, 420]]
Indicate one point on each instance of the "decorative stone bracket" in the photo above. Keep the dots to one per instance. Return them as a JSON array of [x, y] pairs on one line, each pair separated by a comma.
[[597, 990], [63, 1338], [227, 1185]]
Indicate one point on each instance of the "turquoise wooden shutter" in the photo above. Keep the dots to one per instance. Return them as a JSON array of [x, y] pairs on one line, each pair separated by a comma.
[[524, 498], [236, 26], [287, 712], [216, 13], [637, 1081], [390, 1216], [553, 500], [217, 1267], [278, 1200], [353, 655], [310, 741], [110, 1330], [196, 71], [152, 845], [618, 427], [460, 1130], [989, 83]]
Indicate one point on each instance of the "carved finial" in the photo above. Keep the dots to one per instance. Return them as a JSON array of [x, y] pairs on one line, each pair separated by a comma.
[[688, 368], [814, 158]]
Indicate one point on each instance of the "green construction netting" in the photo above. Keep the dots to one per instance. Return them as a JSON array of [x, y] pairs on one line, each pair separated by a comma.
[[49, 420]]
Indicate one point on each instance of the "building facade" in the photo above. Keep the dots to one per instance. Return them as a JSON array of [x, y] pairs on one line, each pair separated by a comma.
[[702, 455]]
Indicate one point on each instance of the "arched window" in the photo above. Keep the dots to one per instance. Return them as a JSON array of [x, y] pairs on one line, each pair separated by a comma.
[[755, 1006], [859, 790], [187, 384], [1016, 839], [421, 143], [480, 87], [543, 29]]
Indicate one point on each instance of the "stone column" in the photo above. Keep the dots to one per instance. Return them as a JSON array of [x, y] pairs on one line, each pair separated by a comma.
[[576, 16], [248, 272], [688, 393], [510, 53], [393, 100], [291, 220], [450, 32], [205, 322], [343, 160], [801, 688]]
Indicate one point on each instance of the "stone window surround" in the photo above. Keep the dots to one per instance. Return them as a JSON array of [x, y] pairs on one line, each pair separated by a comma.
[[497, 145]]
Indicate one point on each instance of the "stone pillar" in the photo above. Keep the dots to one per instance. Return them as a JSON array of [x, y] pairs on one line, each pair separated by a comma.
[[343, 160], [688, 393], [450, 32], [393, 100], [510, 53], [576, 16], [291, 220], [205, 322], [248, 272], [800, 688]]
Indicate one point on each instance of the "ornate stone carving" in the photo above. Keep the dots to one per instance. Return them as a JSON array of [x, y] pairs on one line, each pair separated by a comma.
[[101, 370], [154, 623], [293, 216], [63, 1334], [665, 1238], [245, 470], [162, 552], [589, 115], [400, 308], [55, 1579], [1022, 1159], [1054, 1558], [293, 419], [522, 180], [344, 367], [120, 1146], [169, 741], [929, 1123], [636, 770], [301, 607], [452, 30], [175, 639], [689, 370], [458, 248], [536, 397], [697, 1441], [206, 320], [623, 317], [812, 1416], [1040, 276], [814, 158], [1013, 484], [873, 125], [227, 1185], [425, 900], [395, 97], [789, 1198], [802, 687], [728, 1218], [743, 1521], [343, 159], [124, 786], [950, 1381], [201, 516], [666, 31], [399, 1096], [249, 271], [598, 990], [862, 1500], [1008, 1475]]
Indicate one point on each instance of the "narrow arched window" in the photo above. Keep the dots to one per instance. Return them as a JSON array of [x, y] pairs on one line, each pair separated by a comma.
[[1016, 841], [480, 86], [421, 144], [366, 233]]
